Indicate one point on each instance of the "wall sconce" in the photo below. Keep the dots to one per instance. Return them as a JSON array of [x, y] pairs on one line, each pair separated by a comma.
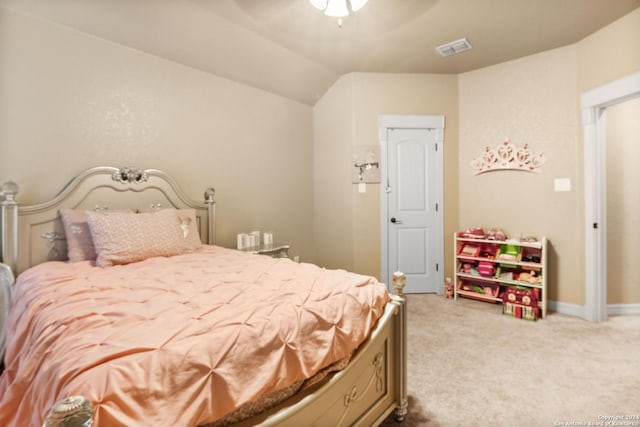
[[365, 167], [366, 164]]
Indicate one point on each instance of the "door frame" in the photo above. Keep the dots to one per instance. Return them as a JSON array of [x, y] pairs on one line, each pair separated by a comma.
[[401, 121], [594, 104]]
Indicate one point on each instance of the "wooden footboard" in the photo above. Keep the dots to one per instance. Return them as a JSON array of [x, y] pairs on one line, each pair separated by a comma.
[[363, 394]]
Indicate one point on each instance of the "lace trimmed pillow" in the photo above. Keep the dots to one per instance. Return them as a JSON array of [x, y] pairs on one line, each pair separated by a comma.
[[188, 224], [122, 238]]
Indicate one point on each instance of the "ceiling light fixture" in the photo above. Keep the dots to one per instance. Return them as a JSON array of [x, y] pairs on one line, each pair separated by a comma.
[[338, 8]]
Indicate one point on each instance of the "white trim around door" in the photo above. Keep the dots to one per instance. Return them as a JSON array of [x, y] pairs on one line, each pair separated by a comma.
[[594, 104]]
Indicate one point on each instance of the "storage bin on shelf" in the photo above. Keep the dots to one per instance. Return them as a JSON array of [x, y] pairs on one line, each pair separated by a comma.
[[468, 249], [469, 267], [518, 274], [486, 291], [508, 272], [489, 250], [471, 249], [532, 257], [486, 268], [508, 252]]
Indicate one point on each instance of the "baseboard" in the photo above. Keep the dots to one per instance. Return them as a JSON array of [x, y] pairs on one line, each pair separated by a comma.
[[622, 309], [579, 310], [568, 309]]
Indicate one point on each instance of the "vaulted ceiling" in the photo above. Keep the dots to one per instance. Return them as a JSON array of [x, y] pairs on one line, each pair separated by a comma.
[[289, 48]]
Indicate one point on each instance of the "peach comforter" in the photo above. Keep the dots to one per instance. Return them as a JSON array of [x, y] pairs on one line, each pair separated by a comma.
[[177, 341]]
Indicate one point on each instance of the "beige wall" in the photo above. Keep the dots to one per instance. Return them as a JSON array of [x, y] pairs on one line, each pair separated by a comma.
[[535, 100], [609, 54], [623, 201], [531, 101], [604, 56], [333, 202], [360, 98], [69, 101], [377, 94]]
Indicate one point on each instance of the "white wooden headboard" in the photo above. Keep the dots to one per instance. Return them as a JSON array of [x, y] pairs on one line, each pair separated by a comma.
[[33, 234]]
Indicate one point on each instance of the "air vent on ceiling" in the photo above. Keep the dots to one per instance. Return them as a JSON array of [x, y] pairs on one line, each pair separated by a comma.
[[452, 48]]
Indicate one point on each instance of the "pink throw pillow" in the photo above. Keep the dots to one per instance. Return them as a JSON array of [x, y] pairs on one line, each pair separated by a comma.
[[122, 238]]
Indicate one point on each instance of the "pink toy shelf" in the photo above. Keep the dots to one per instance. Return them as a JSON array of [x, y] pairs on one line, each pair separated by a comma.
[[490, 265]]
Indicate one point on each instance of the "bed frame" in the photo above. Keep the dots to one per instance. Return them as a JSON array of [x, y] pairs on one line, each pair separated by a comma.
[[363, 394]]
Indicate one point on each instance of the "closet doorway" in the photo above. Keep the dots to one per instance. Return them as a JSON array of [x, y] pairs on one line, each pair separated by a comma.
[[623, 205], [594, 114], [411, 148]]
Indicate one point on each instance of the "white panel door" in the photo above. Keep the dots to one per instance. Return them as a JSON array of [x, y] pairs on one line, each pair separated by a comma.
[[414, 180]]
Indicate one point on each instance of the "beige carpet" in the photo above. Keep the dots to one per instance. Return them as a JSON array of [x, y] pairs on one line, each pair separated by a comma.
[[471, 366]]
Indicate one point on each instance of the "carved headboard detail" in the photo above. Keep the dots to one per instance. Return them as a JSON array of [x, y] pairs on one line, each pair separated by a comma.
[[33, 234]]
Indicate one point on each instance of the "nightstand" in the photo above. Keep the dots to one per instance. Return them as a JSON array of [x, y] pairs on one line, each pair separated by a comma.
[[275, 250]]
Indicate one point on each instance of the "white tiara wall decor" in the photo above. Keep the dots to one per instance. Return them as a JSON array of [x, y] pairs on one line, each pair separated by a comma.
[[507, 156]]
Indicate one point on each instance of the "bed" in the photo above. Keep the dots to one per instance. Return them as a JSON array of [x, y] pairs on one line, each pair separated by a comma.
[[200, 335]]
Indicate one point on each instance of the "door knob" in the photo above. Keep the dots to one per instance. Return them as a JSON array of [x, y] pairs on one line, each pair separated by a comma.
[[395, 221]]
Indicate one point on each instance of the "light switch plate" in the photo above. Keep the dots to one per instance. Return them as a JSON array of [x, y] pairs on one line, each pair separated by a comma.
[[562, 184]]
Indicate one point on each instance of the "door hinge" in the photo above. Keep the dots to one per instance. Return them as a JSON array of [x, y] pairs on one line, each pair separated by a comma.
[[437, 267], [436, 207], [436, 147], [595, 225]]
